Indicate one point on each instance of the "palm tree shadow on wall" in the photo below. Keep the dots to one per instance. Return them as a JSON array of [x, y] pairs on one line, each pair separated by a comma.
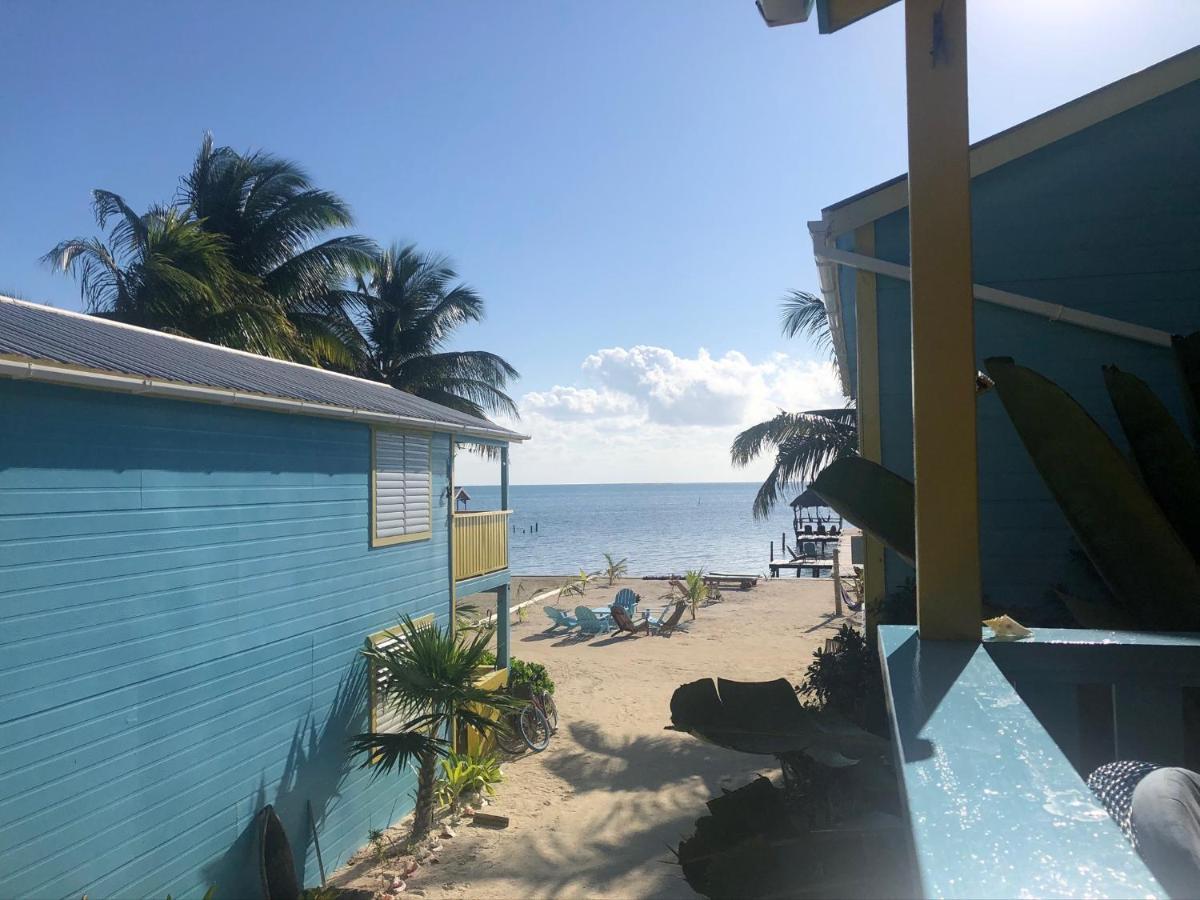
[[317, 764]]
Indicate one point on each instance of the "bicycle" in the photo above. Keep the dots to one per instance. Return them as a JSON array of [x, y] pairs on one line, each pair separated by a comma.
[[532, 726]]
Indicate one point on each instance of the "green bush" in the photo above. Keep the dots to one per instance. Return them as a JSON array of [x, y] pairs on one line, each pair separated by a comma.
[[848, 680], [465, 773], [529, 673]]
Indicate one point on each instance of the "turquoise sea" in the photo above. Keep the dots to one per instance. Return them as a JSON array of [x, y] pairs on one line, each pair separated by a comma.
[[661, 528]]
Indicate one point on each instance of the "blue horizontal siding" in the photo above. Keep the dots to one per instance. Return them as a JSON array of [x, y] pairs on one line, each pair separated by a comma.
[[184, 590], [1106, 221]]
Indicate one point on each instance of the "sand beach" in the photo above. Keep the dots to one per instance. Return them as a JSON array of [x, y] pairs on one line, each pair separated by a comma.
[[598, 812]]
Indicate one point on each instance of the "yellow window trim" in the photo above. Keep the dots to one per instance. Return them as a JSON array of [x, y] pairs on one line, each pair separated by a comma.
[[376, 540]]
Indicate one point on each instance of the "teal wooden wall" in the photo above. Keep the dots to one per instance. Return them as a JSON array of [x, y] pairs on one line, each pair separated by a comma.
[[184, 589], [1107, 220]]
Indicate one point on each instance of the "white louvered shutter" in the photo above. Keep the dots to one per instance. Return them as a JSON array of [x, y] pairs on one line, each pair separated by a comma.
[[402, 489]]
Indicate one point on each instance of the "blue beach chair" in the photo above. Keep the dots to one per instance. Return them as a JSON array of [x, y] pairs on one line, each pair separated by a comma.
[[559, 618], [590, 623], [627, 600]]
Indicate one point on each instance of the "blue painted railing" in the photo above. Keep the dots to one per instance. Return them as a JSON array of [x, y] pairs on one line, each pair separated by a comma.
[[990, 742]]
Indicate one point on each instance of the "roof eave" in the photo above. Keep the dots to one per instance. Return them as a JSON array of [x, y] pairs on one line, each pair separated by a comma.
[[50, 372], [832, 296]]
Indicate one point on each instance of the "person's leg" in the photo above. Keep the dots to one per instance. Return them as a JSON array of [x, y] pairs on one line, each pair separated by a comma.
[[1165, 819]]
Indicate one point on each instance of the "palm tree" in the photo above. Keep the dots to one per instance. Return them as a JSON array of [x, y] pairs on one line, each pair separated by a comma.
[[804, 442], [428, 677], [273, 220], [162, 270], [411, 303]]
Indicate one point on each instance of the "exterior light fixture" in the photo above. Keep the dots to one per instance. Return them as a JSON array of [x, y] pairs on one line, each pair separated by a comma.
[[784, 12]]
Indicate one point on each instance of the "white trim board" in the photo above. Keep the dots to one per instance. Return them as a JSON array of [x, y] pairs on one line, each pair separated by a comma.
[[829, 258]]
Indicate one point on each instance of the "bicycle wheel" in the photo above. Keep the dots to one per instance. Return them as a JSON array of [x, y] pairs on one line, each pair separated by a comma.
[[550, 710], [535, 729], [509, 738]]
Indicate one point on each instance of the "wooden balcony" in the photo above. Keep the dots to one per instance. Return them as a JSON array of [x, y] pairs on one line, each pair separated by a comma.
[[480, 543]]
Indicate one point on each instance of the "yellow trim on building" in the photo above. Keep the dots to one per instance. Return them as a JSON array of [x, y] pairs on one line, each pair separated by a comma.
[[870, 433], [943, 322]]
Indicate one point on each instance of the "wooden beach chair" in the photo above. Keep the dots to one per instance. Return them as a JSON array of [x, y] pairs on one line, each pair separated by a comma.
[[589, 622], [666, 627], [558, 618], [625, 623]]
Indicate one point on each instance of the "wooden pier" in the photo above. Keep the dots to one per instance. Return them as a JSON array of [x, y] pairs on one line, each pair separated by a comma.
[[818, 566]]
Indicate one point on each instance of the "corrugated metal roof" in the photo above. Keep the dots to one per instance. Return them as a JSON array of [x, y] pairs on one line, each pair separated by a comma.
[[42, 334]]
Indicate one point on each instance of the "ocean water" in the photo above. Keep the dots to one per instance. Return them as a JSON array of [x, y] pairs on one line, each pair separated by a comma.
[[661, 528]]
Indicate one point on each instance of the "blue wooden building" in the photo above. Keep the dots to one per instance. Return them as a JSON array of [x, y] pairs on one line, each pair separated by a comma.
[[195, 543], [1086, 250]]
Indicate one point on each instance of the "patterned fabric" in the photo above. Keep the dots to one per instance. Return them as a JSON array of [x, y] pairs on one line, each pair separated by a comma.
[[1113, 784]]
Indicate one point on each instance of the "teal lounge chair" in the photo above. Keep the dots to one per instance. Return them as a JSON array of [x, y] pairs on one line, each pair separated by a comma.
[[559, 618], [627, 600], [590, 623]]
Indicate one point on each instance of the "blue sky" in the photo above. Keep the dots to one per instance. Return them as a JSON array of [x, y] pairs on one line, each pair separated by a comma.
[[611, 176]]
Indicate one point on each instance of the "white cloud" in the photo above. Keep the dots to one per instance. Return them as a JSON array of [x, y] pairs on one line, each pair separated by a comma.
[[578, 403], [652, 415]]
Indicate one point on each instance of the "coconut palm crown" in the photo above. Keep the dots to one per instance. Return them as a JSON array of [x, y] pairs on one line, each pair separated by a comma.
[[275, 223], [803, 442], [411, 305], [161, 270]]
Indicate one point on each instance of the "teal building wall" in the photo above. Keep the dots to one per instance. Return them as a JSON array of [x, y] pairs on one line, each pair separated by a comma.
[[184, 589], [1106, 220]]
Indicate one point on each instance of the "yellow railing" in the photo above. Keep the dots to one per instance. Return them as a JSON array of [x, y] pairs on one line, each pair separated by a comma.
[[480, 543]]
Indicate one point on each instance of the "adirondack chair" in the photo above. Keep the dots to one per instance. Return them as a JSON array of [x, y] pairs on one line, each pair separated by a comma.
[[558, 618], [627, 600], [666, 627], [625, 622], [589, 622]]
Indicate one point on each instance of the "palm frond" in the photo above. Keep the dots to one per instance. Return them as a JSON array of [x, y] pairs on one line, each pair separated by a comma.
[[390, 750], [805, 314], [804, 443]]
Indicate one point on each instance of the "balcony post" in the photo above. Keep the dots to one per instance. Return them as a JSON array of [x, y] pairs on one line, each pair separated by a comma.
[[504, 477], [502, 626], [943, 321]]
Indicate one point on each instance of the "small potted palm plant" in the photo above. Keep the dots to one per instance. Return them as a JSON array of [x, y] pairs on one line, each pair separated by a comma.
[[429, 680]]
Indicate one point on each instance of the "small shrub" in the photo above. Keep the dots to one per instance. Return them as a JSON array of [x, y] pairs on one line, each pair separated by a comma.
[[529, 673], [694, 589], [615, 568], [464, 775], [578, 584], [848, 680]]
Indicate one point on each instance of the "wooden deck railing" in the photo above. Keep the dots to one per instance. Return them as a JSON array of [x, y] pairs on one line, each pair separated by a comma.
[[480, 543]]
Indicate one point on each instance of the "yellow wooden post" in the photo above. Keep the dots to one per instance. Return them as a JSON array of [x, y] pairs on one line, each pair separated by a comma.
[[870, 443], [943, 321]]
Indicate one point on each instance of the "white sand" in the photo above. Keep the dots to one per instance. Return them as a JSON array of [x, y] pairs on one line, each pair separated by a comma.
[[597, 813]]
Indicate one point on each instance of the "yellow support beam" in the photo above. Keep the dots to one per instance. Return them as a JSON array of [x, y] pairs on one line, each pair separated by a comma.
[[870, 439], [943, 321]]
